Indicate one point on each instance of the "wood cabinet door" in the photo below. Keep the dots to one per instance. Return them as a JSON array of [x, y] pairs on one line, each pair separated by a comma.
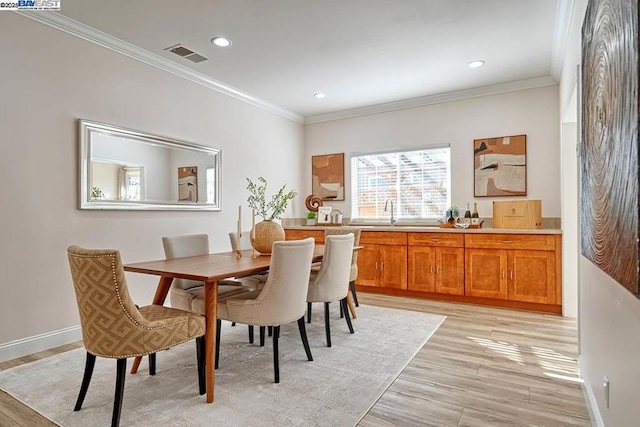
[[486, 273], [421, 265], [532, 276], [368, 263], [318, 235], [449, 271], [393, 266]]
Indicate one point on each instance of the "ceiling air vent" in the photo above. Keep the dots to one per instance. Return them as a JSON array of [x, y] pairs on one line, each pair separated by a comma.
[[186, 53]]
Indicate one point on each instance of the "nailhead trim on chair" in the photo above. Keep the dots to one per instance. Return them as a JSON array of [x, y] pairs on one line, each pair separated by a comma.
[[126, 312]]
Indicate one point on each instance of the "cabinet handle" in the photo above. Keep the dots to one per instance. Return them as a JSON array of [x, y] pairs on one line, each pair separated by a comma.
[[433, 239], [504, 274], [376, 265], [432, 269], [438, 269], [511, 275], [382, 266], [507, 241]]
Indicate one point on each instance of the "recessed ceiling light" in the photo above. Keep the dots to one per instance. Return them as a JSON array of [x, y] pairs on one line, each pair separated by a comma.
[[221, 42], [319, 95], [476, 64]]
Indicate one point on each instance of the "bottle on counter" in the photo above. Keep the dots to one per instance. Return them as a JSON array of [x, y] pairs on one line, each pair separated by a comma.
[[475, 218], [467, 215]]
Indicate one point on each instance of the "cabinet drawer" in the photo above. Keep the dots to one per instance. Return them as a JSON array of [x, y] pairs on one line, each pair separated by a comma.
[[449, 240], [383, 238], [303, 234], [541, 242]]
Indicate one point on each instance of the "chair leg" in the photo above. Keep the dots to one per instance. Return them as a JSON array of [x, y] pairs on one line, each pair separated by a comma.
[[117, 401], [305, 341], [200, 352], [262, 328], [308, 312], [352, 285], [152, 364], [347, 316], [250, 334], [276, 362], [218, 333], [341, 313], [233, 323], [326, 323], [86, 379], [270, 330]]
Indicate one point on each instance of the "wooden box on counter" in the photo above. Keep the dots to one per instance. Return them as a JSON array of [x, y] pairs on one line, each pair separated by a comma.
[[518, 214]]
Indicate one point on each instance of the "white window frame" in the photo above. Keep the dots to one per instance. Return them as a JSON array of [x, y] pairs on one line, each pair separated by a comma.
[[384, 217]]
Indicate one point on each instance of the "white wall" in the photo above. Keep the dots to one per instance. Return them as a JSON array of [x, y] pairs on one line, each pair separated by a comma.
[[48, 79], [533, 112], [609, 315]]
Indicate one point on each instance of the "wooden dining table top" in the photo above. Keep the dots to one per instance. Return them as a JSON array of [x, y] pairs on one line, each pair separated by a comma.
[[210, 268]]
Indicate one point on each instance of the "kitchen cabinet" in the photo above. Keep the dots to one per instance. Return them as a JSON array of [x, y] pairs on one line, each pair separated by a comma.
[[520, 270], [382, 262], [436, 263], [318, 235], [512, 267]]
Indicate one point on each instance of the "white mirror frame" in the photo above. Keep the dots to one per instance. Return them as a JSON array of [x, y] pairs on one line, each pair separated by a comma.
[[86, 128]]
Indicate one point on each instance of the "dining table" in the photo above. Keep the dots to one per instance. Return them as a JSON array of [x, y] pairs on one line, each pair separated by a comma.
[[209, 269]]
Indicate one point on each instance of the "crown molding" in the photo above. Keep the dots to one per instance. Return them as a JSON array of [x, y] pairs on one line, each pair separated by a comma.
[[434, 99], [560, 36], [78, 29]]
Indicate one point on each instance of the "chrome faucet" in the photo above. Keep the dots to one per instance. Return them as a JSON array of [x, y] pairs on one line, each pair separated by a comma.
[[386, 204]]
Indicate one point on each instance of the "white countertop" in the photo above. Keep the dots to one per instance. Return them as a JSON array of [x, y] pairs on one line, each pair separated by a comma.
[[431, 229]]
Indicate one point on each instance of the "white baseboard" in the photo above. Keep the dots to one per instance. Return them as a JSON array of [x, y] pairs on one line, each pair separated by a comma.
[[22, 347], [590, 398]]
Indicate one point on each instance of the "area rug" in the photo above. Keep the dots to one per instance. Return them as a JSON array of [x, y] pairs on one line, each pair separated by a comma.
[[336, 389]]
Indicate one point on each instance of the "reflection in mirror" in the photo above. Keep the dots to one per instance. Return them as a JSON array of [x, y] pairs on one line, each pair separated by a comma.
[[125, 169]]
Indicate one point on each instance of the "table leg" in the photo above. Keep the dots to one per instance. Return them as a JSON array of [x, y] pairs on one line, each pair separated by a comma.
[[158, 299], [352, 308], [210, 309]]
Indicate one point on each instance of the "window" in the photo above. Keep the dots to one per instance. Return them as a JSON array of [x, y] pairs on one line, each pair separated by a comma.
[[417, 181], [131, 183]]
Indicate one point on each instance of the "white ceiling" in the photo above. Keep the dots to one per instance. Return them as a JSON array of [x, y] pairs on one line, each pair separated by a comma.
[[358, 52]]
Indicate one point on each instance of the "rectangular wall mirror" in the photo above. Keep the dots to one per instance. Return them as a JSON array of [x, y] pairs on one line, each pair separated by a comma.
[[126, 169]]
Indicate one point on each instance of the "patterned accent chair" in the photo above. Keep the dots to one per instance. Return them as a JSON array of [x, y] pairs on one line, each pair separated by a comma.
[[114, 327], [330, 283], [281, 301]]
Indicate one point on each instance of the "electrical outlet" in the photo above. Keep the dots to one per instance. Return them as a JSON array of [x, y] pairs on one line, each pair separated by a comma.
[[606, 390]]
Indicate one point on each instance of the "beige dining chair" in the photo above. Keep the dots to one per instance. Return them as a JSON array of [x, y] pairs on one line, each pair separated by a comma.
[[185, 292], [353, 274], [114, 327], [189, 294], [281, 301], [331, 282]]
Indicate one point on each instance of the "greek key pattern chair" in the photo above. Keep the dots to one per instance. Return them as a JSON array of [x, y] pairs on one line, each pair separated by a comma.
[[112, 325]]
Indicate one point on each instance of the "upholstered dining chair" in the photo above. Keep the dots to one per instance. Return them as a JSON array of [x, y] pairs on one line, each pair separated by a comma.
[[114, 327], [281, 301], [353, 274], [331, 282], [184, 292], [189, 294]]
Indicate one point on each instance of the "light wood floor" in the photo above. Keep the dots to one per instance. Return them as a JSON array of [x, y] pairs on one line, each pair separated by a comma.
[[483, 367]]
